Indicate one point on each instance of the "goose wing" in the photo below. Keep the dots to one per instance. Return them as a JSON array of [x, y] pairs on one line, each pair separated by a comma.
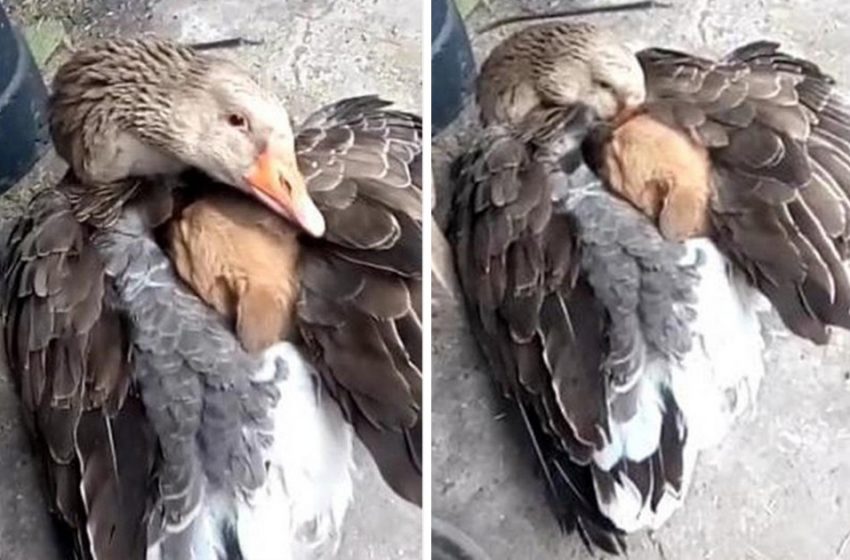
[[536, 319], [778, 137], [68, 352], [360, 306]]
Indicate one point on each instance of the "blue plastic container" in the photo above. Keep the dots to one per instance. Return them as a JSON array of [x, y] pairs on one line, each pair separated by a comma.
[[452, 64], [23, 102]]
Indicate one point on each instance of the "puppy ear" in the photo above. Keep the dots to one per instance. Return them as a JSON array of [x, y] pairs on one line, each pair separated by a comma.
[[260, 321]]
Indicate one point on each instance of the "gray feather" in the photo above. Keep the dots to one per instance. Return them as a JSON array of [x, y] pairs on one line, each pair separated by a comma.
[[637, 277], [208, 413]]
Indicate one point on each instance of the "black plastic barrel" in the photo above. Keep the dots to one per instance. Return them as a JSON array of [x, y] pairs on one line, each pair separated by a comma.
[[452, 64], [23, 99]]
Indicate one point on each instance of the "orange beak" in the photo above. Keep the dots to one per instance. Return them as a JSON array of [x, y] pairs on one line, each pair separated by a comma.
[[279, 184]]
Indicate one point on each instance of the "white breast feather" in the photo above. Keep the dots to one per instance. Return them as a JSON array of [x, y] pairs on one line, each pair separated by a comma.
[[301, 508], [720, 378]]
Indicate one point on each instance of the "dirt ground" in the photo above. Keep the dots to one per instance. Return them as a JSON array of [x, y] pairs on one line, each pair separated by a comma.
[[313, 52], [779, 487]]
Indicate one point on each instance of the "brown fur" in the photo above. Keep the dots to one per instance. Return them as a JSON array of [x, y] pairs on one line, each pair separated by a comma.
[[241, 260], [661, 172]]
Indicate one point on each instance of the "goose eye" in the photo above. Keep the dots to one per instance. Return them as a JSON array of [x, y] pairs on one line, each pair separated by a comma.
[[237, 121]]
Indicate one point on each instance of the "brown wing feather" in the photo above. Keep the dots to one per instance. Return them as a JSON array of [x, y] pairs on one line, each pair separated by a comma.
[[778, 136], [537, 321], [360, 309], [68, 354]]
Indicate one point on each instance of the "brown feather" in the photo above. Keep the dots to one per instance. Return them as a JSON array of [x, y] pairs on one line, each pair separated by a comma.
[[68, 354], [536, 319], [117, 464]]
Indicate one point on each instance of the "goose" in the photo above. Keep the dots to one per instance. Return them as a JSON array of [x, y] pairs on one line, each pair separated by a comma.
[[163, 435], [618, 225]]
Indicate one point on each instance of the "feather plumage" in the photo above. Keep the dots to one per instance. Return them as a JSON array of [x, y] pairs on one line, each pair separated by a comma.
[[613, 337], [780, 206], [70, 359]]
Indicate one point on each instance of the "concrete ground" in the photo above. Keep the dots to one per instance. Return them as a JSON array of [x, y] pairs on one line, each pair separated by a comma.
[[314, 52], [779, 487]]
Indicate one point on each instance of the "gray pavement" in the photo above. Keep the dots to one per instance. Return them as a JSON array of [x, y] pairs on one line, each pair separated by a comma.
[[314, 52], [779, 487]]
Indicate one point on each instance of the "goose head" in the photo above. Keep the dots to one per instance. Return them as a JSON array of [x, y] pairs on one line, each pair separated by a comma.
[[560, 64], [125, 108], [616, 83]]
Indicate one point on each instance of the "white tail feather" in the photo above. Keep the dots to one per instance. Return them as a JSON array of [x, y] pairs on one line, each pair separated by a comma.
[[637, 438]]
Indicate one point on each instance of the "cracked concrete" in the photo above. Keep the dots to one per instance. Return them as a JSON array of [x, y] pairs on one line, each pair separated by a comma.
[[313, 52], [777, 488]]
